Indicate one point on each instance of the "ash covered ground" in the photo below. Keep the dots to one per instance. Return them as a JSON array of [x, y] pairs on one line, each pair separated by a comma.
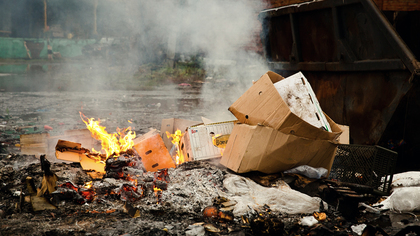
[[178, 209]]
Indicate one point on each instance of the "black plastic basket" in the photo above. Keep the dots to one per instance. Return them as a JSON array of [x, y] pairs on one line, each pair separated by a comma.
[[367, 165]]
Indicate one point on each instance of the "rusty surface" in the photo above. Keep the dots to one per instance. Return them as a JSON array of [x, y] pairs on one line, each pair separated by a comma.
[[357, 64], [364, 101], [384, 5]]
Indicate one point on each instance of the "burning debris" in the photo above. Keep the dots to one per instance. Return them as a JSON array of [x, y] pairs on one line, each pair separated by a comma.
[[151, 187]]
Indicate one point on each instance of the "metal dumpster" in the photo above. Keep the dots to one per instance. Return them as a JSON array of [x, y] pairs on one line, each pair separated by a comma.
[[357, 64]]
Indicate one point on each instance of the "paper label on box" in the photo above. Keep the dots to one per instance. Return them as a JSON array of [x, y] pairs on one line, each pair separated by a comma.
[[201, 141]]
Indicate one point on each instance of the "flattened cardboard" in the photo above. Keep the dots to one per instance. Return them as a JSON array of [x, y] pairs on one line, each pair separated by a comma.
[[69, 151], [44, 143], [264, 149], [171, 125], [262, 104], [153, 152], [31, 144]]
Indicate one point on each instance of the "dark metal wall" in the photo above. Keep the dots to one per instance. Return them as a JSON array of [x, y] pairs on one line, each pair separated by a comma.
[[358, 66]]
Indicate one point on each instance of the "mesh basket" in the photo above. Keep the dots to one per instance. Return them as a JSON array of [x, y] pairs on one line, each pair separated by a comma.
[[368, 165]]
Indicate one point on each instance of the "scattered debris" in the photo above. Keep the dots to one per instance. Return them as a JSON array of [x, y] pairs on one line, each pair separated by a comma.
[[144, 187]]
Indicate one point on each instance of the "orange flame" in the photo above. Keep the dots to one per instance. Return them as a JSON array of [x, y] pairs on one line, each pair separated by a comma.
[[112, 144], [155, 189], [158, 193], [88, 185], [176, 139]]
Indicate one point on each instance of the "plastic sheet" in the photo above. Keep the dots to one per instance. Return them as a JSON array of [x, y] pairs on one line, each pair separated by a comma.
[[308, 221], [406, 179], [249, 194], [404, 199], [309, 171], [358, 229]]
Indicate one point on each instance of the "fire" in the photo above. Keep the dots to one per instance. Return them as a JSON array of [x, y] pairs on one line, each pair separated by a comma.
[[156, 189], [176, 139], [88, 185], [158, 193], [112, 144]]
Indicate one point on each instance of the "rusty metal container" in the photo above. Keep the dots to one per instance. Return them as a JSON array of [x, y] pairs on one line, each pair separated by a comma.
[[358, 65]]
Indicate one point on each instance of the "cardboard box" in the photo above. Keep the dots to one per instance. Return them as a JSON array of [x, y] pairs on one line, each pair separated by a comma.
[[262, 104], [153, 152], [171, 125], [264, 149], [272, 138], [197, 143], [297, 93]]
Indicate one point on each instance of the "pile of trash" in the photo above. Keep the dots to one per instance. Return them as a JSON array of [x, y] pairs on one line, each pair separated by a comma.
[[281, 168]]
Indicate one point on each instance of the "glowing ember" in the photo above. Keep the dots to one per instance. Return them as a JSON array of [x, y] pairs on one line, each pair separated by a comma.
[[155, 189], [112, 144], [88, 185], [158, 194], [69, 185], [131, 193], [160, 176], [176, 139], [88, 194]]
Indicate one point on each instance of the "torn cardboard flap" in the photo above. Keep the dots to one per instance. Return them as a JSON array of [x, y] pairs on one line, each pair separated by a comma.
[[345, 136], [264, 149], [262, 104], [71, 151]]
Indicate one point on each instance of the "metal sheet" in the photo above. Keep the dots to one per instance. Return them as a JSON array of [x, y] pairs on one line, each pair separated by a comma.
[[356, 63]]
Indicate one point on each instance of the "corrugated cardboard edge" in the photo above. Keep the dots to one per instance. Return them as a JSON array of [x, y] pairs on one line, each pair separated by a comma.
[[145, 136], [234, 161], [278, 117], [301, 128]]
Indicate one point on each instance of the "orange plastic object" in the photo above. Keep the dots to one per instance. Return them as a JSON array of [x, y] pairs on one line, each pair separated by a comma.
[[153, 152]]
